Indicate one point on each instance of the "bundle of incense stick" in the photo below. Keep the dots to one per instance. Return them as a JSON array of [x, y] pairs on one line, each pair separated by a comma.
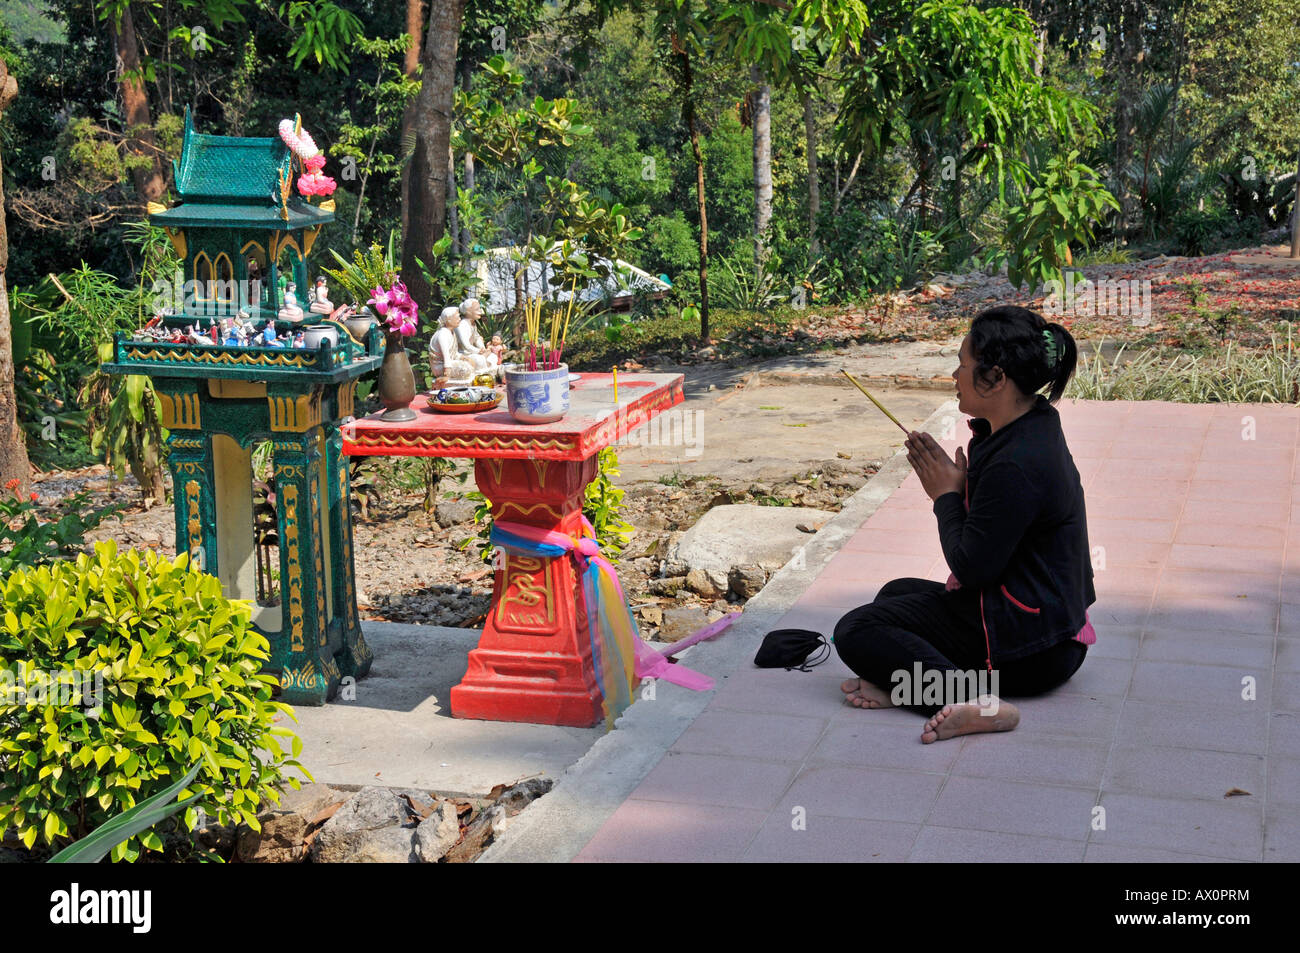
[[874, 401], [553, 347]]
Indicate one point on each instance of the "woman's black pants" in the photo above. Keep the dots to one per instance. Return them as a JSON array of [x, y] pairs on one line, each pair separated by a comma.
[[918, 620]]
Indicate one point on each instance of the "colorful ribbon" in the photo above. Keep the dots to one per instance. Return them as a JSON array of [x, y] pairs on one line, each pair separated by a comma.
[[619, 655]]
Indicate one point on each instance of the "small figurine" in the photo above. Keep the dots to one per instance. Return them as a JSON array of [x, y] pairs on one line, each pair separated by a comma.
[[268, 335], [320, 303], [498, 349], [446, 363], [470, 343], [300, 340], [291, 310]]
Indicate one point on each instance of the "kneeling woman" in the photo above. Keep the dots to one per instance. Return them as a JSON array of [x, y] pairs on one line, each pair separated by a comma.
[[1012, 617]]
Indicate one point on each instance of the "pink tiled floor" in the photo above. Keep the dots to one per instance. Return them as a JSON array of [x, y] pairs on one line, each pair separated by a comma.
[[1194, 520]]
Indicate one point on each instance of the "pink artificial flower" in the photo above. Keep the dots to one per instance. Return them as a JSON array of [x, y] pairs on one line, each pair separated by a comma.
[[380, 300], [315, 163]]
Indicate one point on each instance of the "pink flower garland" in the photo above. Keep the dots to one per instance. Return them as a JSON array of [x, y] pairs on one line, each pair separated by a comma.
[[300, 142]]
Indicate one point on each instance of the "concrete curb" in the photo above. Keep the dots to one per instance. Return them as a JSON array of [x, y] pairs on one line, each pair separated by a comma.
[[554, 828]]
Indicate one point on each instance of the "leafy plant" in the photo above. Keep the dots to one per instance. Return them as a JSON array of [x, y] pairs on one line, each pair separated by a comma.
[[125, 425], [178, 681], [1064, 201], [601, 504], [370, 269], [92, 848], [27, 541]]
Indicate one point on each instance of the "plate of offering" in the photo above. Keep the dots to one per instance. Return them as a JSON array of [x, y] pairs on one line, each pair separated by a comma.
[[463, 400]]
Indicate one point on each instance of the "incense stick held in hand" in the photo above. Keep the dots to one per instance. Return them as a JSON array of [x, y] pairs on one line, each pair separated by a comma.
[[874, 401]]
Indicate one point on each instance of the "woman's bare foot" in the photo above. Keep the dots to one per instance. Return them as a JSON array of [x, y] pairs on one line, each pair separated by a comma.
[[989, 714], [860, 693]]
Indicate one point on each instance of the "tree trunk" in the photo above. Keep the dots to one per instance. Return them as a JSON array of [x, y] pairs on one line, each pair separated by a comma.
[[410, 67], [431, 125], [814, 188], [1127, 55], [762, 122], [453, 220], [13, 443], [688, 110], [1295, 217], [149, 180]]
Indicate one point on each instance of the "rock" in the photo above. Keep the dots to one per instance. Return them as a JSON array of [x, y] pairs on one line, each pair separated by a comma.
[[705, 583], [478, 835], [285, 825], [744, 535], [450, 512], [759, 489], [843, 456], [373, 826], [681, 621], [651, 615], [746, 581], [517, 797], [850, 481], [437, 833], [668, 586]]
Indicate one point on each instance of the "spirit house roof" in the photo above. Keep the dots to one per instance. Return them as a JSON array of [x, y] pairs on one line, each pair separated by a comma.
[[237, 182]]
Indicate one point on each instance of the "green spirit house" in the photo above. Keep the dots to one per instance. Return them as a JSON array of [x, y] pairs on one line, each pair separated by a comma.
[[240, 231], [238, 222]]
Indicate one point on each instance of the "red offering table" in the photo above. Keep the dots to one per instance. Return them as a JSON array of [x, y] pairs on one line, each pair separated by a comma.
[[533, 661]]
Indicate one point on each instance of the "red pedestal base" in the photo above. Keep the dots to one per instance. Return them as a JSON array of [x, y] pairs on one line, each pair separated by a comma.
[[533, 661]]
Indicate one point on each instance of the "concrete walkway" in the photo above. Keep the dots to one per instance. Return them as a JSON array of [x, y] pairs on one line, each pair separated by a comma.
[[1192, 690]]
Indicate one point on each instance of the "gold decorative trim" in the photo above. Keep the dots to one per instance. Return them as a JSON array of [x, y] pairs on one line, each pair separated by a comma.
[[347, 399], [296, 414], [290, 496], [304, 677], [179, 411], [541, 466], [327, 205], [187, 443], [537, 600], [523, 511], [177, 237], [290, 470], [318, 546], [192, 467], [443, 442], [194, 525], [309, 238], [214, 355]]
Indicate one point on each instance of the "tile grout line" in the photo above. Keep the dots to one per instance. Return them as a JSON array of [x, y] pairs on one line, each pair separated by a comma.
[[1137, 655]]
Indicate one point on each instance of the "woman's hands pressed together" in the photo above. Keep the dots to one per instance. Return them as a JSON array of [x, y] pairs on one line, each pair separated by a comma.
[[938, 474]]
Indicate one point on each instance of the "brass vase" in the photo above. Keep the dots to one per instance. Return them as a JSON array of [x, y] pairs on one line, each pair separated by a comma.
[[396, 381]]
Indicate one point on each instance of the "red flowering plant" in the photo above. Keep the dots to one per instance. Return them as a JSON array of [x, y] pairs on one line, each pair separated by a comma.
[[26, 540]]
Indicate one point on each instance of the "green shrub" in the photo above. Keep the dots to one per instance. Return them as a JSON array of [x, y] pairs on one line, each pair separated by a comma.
[[176, 680], [27, 541]]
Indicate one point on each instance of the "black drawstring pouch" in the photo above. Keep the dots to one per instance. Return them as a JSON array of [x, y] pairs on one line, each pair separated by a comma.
[[791, 648]]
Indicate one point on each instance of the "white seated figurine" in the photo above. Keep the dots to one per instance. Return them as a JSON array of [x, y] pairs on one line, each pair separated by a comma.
[[320, 303], [291, 310], [470, 341], [446, 363]]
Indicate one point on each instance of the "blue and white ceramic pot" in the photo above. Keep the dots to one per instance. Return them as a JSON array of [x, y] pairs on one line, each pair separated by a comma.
[[537, 397]]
